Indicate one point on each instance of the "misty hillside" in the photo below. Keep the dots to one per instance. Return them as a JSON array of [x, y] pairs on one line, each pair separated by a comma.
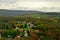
[[24, 12], [15, 12]]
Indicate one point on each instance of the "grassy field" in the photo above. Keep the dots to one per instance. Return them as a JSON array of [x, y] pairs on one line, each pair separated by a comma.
[[35, 15]]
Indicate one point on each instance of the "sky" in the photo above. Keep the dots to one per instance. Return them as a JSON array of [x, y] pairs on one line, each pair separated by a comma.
[[39, 5]]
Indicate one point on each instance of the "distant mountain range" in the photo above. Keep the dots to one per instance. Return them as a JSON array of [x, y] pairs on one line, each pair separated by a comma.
[[4, 12]]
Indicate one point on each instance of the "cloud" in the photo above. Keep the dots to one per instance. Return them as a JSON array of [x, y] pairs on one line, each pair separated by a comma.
[[45, 5], [6, 6], [8, 1]]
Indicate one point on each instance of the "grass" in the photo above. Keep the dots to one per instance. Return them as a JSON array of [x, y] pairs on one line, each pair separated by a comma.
[[22, 38], [2, 38], [35, 15]]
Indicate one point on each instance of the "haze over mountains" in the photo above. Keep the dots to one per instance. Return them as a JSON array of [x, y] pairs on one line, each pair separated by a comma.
[[4, 12], [14, 12]]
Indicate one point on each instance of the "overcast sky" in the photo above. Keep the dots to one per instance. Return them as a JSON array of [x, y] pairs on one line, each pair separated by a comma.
[[40, 5]]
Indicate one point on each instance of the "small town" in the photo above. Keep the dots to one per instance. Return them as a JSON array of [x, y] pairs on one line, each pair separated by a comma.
[[28, 28]]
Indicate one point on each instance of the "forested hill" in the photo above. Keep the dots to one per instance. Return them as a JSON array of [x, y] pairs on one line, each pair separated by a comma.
[[4, 12], [15, 12]]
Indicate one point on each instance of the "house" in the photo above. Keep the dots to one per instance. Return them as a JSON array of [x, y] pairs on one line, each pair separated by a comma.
[[1, 31], [17, 37]]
